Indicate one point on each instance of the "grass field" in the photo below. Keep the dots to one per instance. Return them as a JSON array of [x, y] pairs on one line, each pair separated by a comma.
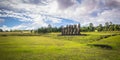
[[17, 46]]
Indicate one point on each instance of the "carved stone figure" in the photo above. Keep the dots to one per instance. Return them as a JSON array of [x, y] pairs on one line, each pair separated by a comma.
[[71, 30]]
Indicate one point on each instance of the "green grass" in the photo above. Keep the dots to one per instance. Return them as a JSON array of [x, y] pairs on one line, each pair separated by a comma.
[[53, 47], [113, 41]]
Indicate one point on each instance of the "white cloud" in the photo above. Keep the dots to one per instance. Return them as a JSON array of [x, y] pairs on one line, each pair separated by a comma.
[[37, 12], [4, 27]]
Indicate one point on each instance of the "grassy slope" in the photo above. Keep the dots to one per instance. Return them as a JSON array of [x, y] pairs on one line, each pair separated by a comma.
[[113, 41], [53, 47]]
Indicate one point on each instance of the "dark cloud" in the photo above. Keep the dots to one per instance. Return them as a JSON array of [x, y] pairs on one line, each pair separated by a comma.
[[42, 2], [5, 5], [113, 4], [63, 4], [108, 4], [79, 1], [102, 6]]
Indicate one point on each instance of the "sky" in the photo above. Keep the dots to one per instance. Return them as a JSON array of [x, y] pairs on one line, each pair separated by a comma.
[[33, 14]]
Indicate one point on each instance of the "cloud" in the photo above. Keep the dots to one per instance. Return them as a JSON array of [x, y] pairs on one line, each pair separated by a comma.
[[37, 13], [4, 27], [113, 3], [64, 4]]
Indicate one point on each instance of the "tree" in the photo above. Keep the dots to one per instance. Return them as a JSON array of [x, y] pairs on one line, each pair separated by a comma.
[[100, 27], [116, 27], [49, 28], [91, 27], [106, 26], [1, 30], [42, 30], [55, 29], [111, 23], [84, 29], [111, 27], [60, 28]]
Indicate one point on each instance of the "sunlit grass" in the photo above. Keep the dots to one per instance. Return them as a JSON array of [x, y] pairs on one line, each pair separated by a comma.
[[113, 41], [54, 47]]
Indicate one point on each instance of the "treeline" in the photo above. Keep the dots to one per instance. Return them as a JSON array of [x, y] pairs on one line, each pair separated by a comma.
[[10, 30], [48, 29], [108, 26]]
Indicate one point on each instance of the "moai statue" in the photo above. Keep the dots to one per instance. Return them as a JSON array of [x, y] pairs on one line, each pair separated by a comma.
[[74, 29], [78, 29], [71, 30], [62, 30], [67, 30]]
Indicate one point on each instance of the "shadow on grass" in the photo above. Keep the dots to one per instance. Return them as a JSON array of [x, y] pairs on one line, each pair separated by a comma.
[[101, 46], [73, 35]]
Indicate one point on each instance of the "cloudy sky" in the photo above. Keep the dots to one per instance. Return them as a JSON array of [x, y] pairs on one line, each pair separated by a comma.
[[31, 14]]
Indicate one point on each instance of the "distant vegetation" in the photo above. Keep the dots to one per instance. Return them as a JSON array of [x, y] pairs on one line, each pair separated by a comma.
[[108, 26], [48, 29]]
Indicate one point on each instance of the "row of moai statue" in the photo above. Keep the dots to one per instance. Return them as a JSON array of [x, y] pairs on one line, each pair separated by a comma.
[[71, 30]]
